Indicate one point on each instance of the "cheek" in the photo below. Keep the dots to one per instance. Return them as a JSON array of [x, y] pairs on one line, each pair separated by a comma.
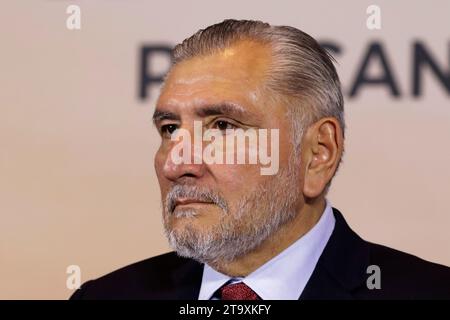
[[285, 142], [159, 162], [234, 181]]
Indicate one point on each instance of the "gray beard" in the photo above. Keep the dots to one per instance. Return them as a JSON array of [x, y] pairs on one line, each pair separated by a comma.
[[259, 214]]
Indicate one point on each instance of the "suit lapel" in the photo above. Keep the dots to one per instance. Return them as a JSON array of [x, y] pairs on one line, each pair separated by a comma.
[[187, 280], [341, 268]]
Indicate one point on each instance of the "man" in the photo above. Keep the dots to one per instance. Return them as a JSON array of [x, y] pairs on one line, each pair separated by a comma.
[[240, 234]]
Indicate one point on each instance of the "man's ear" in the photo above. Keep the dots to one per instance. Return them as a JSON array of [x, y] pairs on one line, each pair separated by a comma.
[[322, 151]]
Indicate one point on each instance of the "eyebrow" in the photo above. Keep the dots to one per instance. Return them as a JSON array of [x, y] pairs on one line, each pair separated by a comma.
[[224, 108], [159, 116]]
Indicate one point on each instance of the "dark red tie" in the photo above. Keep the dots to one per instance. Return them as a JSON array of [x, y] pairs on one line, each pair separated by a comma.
[[238, 291]]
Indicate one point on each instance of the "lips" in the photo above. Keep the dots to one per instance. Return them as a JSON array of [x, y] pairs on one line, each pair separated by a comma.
[[186, 201]]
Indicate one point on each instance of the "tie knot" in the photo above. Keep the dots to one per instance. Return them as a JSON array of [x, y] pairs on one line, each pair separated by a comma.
[[238, 291]]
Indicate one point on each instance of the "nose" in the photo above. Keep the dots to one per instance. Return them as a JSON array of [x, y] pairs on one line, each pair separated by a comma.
[[184, 158]]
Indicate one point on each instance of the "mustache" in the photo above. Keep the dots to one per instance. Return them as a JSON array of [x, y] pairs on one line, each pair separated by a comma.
[[196, 193]]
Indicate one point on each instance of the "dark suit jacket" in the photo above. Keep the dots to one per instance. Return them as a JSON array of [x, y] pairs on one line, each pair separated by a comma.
[[341, 273]]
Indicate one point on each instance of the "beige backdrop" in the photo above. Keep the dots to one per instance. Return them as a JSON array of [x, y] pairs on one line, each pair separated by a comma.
[[77, 184]]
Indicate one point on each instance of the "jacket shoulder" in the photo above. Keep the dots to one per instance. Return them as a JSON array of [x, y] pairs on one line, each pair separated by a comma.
[[147, 279], [404, 275]]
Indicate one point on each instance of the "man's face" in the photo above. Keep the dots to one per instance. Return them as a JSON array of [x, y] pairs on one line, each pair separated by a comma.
[[221, 211]]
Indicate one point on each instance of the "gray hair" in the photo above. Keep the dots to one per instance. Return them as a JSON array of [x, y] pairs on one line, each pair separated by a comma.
[[302, 73]]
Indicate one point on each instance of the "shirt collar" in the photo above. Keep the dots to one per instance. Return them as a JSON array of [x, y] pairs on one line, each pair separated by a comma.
[[293, 266]]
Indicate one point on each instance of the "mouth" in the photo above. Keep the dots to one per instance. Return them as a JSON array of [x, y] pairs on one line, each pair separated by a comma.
[[190, 201]]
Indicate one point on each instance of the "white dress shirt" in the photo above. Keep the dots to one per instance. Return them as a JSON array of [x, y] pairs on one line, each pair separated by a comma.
[[284, 276]]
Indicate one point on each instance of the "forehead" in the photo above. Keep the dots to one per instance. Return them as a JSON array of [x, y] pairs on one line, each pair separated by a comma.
[[234, 74]]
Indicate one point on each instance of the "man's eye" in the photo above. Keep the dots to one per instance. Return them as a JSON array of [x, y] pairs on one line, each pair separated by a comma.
[[223, 125], [168, 129]]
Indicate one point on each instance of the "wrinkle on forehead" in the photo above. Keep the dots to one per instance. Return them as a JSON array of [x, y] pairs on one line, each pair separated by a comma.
[[182, 103], [197, 79], [192, 98]]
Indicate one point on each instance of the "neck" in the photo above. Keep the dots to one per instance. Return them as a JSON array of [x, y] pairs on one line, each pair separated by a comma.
[[286, 235]]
